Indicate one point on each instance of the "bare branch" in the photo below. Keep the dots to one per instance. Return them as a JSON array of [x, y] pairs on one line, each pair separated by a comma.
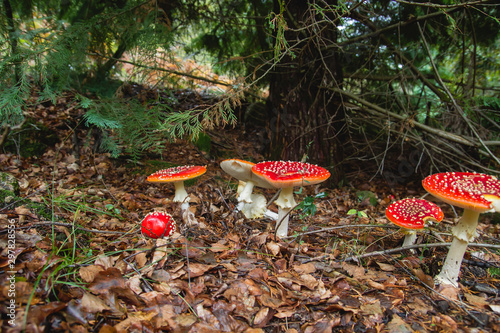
[[455, 104], [438, 6], [379, 111]]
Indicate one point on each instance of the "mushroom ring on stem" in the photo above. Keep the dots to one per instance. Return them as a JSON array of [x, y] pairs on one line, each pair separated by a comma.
[[178, 175], [287, 175], [158, 224], [474, 192], [411, 214]]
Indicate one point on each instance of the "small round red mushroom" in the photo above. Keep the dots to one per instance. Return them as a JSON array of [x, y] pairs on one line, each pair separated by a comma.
[[474, 192], [287, 175], [411, 214], [178, 175], [158, 224]]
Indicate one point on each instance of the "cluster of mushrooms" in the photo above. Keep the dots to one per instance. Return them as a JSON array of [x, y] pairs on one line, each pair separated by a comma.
[[475, 193], [284, 175]]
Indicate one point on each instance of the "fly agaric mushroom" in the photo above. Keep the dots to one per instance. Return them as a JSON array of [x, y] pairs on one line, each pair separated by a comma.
[[178, 175], [287, 175], [251, 205], [411, 214], [158, 225], [242, 170], [474, 192]]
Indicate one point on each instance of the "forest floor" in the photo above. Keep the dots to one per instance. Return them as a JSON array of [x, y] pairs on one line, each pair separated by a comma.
[[82, 265]]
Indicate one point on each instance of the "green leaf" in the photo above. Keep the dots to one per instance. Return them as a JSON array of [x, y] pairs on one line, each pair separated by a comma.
[[362, 214]]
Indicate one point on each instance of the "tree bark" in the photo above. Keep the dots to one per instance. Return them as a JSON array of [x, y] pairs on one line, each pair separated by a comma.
[[13, 40], [103, 71], [304, 118]]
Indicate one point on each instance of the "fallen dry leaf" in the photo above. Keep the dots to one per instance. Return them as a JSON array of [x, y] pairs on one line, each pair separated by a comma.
[[305, 268], [107, 279], [88, 273], [477, 301], [386, 267], [397, 325], [195, 269], [274, 248], [93, 304], [354, 271], [133, 318]]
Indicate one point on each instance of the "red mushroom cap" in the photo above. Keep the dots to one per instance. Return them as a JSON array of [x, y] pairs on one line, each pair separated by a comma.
[[178, 173], [469, 190], [158, 224], [282, 174], [412, 213]]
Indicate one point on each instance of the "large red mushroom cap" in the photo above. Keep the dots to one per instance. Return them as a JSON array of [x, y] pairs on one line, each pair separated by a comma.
[[158, 224], [468, 190], [179, 173], [287, 175], [283, 174], [412, 213]]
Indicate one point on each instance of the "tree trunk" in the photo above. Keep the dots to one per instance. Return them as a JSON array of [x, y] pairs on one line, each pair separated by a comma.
[[305, 118], [103, 71], [13, 39]]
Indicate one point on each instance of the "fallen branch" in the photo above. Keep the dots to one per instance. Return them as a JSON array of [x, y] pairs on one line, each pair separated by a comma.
[[69, 225], [343, 227], [416, 246]]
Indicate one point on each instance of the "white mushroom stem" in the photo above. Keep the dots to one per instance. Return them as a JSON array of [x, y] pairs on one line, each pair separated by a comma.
[[270, 215], [285, 202], [257, 208], [185, 205], [254, 209], [182, 197], [463, 233], [410, 236], [180, 192], [246, 193]]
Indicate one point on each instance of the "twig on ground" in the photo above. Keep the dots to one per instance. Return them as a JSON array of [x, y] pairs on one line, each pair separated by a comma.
[[224, 200], [69, 225], [343, 227], [146, 283], [416, 246]]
